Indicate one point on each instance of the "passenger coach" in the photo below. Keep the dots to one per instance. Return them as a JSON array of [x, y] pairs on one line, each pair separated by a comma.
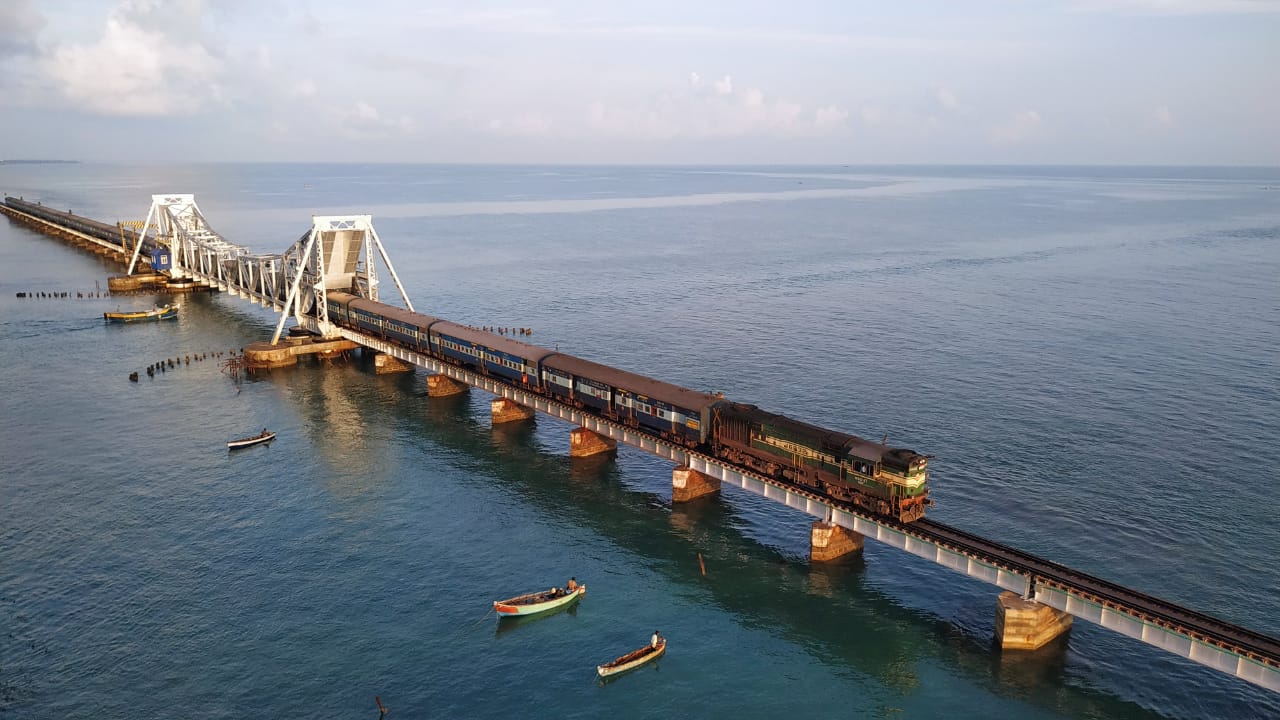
[[672, 412]]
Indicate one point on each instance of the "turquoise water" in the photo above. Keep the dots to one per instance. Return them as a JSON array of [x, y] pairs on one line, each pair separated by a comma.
[[1089, 354]]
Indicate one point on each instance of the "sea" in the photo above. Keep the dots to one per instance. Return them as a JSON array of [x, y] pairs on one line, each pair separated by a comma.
[[1088, 354]]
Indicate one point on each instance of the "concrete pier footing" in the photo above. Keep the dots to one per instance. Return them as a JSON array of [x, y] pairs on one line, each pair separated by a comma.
[[384, 364], [261, 355], [829, 542], [1023, 624], [266, 355], [584, 443], [503, 410], [444, 386], [689, 484], [132, 283]]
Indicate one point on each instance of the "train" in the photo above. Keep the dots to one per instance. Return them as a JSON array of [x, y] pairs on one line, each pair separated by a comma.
[[878, 478]]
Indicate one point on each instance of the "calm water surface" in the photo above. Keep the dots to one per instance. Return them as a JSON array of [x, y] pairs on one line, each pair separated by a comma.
[[1089, 354]]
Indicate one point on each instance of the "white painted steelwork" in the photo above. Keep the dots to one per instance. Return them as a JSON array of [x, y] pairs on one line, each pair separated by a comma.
[[328, 256], [195, 250]]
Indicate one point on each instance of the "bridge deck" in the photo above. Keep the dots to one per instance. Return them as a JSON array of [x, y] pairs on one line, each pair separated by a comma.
[[1229, 648]]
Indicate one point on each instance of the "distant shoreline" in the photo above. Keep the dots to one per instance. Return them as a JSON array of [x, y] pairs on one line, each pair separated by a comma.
[[39, 162]]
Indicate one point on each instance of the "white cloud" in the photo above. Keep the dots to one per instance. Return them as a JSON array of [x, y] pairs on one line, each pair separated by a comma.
[[1179, 7], [487, 82], [527, 124], [722, 111], [948, 100], [263, 58], [19, 24], [1024, 125], [830, 117], [363, 121], [305, 88], [150, 60]]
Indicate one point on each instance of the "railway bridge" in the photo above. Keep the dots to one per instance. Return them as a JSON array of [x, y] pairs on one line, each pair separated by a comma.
[[340, 253]]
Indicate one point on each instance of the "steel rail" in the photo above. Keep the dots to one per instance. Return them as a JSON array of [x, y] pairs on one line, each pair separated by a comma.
[[1205, 628], [1215, 632]]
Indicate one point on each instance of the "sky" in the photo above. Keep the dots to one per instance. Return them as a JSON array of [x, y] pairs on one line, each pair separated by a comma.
[[1110, 82]]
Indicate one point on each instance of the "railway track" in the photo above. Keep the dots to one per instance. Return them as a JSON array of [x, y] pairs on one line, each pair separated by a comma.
[[1205, 628], [1256, 646]]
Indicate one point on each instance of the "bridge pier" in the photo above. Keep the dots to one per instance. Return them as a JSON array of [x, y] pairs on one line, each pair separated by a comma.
[[828, 542], [444, 386], [1023, 624], [263, 355], [266, 355], [689, 484], [503, 410], [585, 443], [130, 283], [384, 364]]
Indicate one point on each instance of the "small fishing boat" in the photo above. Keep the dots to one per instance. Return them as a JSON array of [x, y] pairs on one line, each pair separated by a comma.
[[537, 602], [262, 437], [632, 660], [165, 312]]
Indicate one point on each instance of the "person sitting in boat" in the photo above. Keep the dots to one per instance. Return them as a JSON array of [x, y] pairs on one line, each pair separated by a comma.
[[656, 640], [572, 585]]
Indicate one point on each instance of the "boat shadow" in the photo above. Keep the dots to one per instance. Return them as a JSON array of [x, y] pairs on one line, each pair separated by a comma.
[[507, 625], [653, 666]]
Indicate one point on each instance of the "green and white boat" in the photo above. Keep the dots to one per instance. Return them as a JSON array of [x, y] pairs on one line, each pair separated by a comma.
[[537, 602]]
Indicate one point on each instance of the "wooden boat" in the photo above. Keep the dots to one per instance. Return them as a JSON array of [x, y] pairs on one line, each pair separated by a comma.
[[632, 660], [165, 312], [262, 437], [537, 602]]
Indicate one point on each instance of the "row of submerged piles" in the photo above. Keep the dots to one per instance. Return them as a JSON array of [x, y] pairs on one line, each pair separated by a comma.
[[174, 363]]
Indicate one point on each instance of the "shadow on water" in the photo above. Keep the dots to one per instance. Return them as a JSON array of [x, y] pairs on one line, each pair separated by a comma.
[[828, 609], [654, 666], [508, 625]]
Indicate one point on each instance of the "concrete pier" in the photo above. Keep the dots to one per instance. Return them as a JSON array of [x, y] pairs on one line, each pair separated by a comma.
[[262, 355], [689, 484], [829, 542], [584, 443], [444, 386], [133, 283], [1023, 624], [384, 364], [503, 410]]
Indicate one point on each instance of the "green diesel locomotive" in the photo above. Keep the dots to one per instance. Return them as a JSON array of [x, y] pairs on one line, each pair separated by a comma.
[[874, 476]]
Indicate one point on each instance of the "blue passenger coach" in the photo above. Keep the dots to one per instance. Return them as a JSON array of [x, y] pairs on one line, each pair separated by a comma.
[[398, 325], [491, 354], [670, 411]]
